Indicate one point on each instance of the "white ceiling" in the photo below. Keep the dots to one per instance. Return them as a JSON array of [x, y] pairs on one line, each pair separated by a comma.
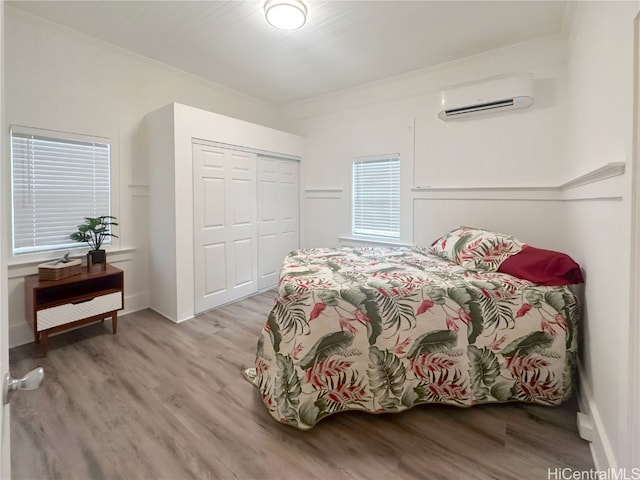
[[343, 44]]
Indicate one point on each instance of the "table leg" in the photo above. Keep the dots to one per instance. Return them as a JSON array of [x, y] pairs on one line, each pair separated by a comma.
[[114, 322]]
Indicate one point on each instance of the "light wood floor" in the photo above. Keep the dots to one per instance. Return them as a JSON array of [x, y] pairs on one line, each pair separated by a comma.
[[166, 401]]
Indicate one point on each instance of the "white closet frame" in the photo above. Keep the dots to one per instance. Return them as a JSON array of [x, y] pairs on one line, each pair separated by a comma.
[[170, 132]]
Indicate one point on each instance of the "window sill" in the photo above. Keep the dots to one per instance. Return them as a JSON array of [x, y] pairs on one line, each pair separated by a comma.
[[385, 242], [20, 268]]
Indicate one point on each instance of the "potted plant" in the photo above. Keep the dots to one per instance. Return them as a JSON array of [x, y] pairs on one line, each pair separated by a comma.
[[94, 231]]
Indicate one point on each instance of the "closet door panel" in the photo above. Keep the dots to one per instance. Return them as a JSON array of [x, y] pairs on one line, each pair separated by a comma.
[[215, 270], [210, 245], [243, 165], [212, 202], [212, 159], [225, 228], [278, 231], [269, 259], [289, 202], [267, 221], [290, 220], [242, 227], [290, 241], [268, 195], [241, 202], [244, 262]]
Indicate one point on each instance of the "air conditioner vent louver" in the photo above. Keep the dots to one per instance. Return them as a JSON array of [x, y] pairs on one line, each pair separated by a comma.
[[480, 106], [503, 94]]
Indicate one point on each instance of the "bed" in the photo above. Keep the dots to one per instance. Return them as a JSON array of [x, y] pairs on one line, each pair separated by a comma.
[[385, 329]]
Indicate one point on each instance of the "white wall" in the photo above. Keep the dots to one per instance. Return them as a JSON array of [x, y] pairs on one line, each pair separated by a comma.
[[511, 150], [62, 80], [600, 130]]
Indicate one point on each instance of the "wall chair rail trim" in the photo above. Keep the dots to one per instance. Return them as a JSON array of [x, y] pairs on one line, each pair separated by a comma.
[[529, 192]]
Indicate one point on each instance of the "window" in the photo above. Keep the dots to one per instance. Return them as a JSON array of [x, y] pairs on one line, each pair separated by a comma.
[[376, 196], [57, 180]]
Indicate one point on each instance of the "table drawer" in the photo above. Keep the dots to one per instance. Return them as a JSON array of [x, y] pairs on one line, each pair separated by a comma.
[[70, 312]]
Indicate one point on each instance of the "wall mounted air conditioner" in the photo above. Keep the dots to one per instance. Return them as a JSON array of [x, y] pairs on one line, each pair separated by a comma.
[[498, 95]]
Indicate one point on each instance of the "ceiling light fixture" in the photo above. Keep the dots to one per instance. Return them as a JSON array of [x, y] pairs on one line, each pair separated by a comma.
[[285, 14]]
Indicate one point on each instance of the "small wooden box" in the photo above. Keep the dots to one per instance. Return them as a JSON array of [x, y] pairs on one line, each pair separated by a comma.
[[53, 271]]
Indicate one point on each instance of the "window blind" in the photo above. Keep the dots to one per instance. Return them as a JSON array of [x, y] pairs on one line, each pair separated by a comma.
[[376, 197], [56, 182]]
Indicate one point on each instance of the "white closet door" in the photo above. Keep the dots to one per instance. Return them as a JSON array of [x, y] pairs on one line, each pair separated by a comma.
[[278, 223], [225, 230]]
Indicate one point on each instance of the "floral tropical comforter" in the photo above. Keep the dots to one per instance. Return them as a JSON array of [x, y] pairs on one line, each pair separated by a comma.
[[384, 329]]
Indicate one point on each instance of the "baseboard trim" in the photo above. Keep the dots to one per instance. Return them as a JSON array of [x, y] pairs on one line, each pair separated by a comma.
[[20, 334], [600, 446], [135, 303], [162, 314], [585, 427]]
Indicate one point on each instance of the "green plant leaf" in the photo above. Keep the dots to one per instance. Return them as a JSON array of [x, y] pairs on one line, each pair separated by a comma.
[[395, 311], [434, 341], [436, 294], [387, 375], [493, 313], [461, 243], [354, 296], [476, 325], [260, 347], [572, 314], [534, 298], [421, 394], [330, 344], [549, 354], [287, 388], [335, 267], [533, 342], [309, 413], [289, 290], [569, 373], [487, 285], [329, 297], [389, 269], [390, 404], [374, 325], [291, 317], [304, 273], [459, 295], [274, 332], [410, 397], [465, 298], [323, 406], [554, 299], [501, 392], [94, 231], [485, 368]]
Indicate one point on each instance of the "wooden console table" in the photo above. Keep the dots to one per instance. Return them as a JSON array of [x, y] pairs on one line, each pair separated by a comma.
[[56, 305]]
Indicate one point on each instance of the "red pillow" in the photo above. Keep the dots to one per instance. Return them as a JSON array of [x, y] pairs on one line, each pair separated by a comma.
[[544, 267]]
